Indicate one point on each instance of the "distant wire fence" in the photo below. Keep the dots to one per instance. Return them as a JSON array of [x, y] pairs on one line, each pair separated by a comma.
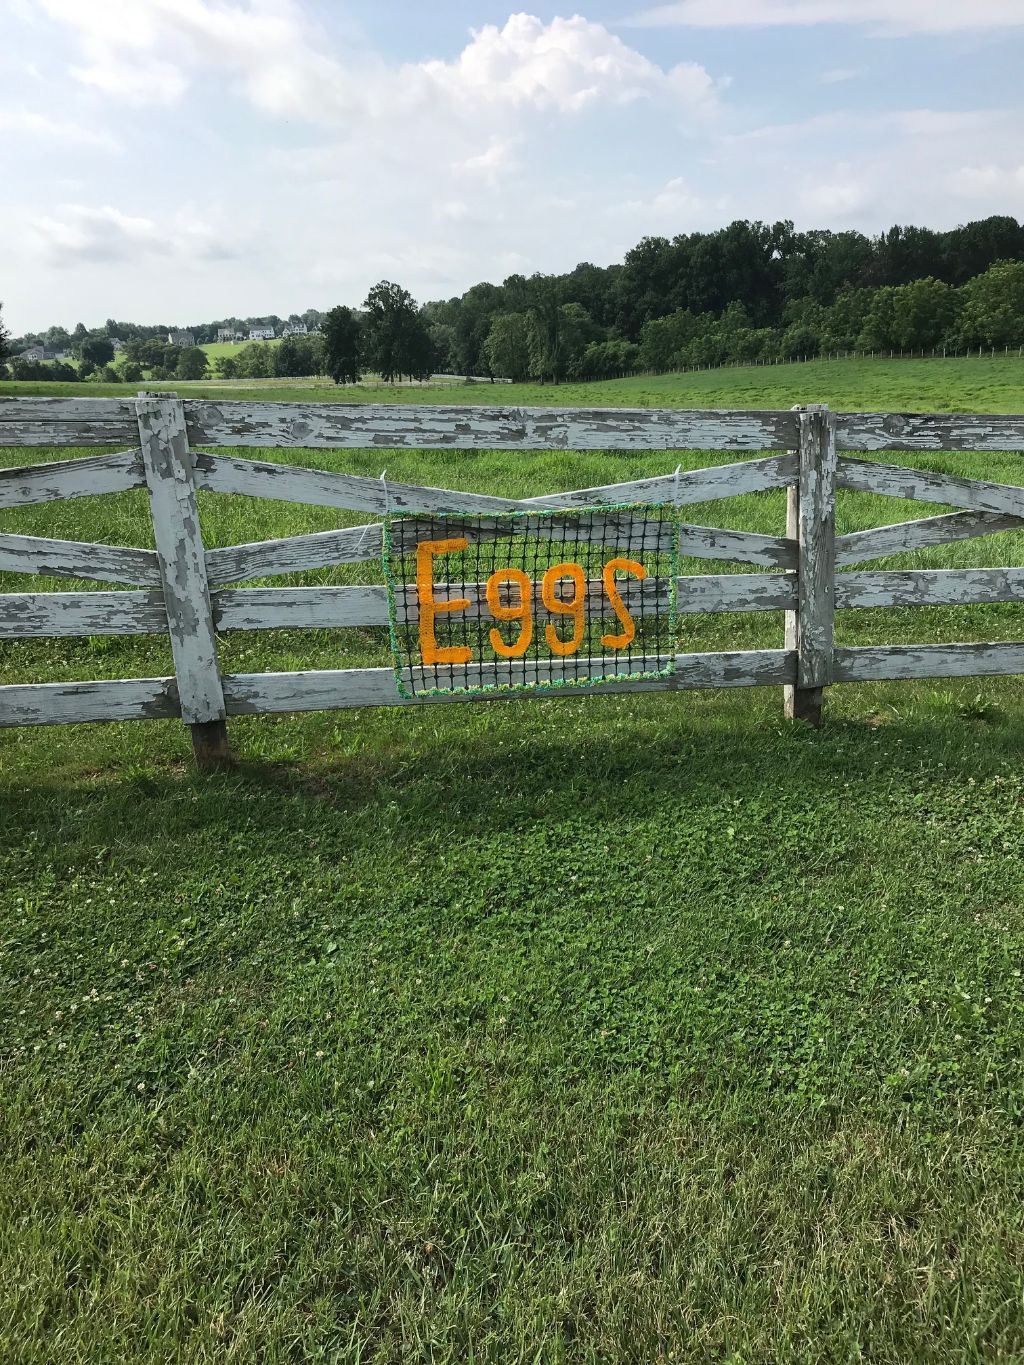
[[937, 353]]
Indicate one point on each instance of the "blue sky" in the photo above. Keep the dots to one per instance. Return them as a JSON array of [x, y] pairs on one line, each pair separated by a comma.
[[186, 159]]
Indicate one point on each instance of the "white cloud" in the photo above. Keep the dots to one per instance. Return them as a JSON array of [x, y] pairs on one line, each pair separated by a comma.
[[144, 82], [496, 158], [838, 75], [80, 234], [151, 52], [676, 207], [990, 183], [27, 123], [885, 16], [836, 200], [565, 65], [452, 210], [916, 123]]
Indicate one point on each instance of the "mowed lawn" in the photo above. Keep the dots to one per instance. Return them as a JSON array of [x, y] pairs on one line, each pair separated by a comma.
[[640, 1029]]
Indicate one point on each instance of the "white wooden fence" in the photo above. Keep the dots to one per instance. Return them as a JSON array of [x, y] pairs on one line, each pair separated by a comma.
[[182, 588]]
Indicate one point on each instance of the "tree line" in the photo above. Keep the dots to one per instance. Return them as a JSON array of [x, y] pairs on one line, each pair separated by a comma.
[[747, 292]]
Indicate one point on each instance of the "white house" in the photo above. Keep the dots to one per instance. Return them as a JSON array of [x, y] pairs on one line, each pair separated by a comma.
[[117, 344], [42, 353], [228, 334], [261, 334], [294, 329], [181, 338]]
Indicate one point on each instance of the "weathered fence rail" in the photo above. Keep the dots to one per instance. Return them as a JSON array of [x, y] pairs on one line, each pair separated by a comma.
[[184, 589]]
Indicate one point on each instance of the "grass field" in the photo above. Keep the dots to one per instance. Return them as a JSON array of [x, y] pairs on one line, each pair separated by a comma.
[[961, 385], [627, 1029], [216, 349]]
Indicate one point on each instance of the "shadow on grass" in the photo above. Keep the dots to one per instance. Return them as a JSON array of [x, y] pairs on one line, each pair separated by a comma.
[[421, 778]]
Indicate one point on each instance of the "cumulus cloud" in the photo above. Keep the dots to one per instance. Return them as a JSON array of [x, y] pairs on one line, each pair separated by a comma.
[[281, 62], [884, 16], [80, 234], [566, 65]]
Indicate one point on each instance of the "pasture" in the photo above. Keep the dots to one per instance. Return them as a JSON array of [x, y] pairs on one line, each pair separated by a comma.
[[988, 384], [216, 349], [617, 1029]]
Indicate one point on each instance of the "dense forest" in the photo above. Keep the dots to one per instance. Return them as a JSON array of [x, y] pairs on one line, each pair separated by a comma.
[[747, 292]]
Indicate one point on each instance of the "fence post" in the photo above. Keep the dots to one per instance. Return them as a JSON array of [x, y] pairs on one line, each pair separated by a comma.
[[811, 522], [172, 497]]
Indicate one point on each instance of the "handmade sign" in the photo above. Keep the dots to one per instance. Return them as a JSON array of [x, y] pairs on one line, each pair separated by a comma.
[[531, 601]]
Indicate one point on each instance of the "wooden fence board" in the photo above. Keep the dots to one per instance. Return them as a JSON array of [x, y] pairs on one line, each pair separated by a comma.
[[928, 431], [359, 426], [924, 485], [110, 421], [182, 560], [739, 547], [858, 546], [324, 608], [880, 663], [326, 488], [928, 587], [79, 559], [736, 592], [328, 689], [34, 615], [686, 487], [74, 702], [359, 544], [294, 554], [816, 534], [23, 485], [67, 422], [338, 607]]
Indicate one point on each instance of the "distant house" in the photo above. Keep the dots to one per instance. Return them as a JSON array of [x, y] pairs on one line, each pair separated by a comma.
[[181, 339], [261, 334], [117, 344], [294, 329], [41, 353], [228, 334]]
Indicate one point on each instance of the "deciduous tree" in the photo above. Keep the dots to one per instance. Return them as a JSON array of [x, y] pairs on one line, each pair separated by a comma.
[[192, 363], [508, 346], [341, 330], [396, 339], [97, 350]]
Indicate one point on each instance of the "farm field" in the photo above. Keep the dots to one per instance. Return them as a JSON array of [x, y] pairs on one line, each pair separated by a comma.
[[637, 1028], [988, 384]]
